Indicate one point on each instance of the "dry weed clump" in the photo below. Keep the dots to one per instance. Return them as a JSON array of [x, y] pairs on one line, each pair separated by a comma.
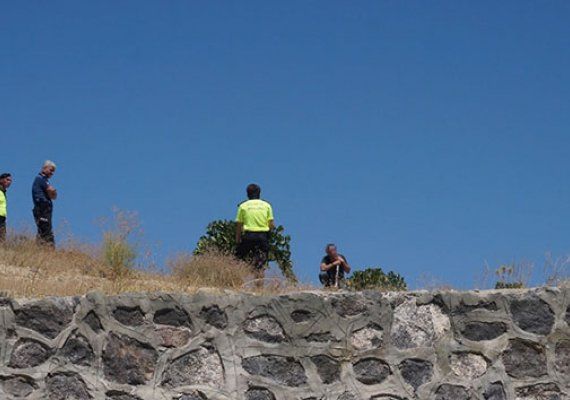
[[211, 269]]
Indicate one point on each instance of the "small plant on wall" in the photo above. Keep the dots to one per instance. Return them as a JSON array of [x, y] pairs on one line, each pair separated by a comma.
[[513, 276], [376, 278]]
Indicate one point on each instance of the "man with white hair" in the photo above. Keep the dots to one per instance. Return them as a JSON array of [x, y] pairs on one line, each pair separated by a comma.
[[43, 194]]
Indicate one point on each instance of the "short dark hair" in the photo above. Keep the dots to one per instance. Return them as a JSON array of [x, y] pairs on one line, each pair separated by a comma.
[[5, 175], [253, 191], [329, 246]]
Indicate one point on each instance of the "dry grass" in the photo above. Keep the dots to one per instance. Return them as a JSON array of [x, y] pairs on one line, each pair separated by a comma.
[[30, 270], [557, 270], [23, 252], [114, 266], [25, 282], [556, 273], [211, 269], [428, 281], [224, 271]]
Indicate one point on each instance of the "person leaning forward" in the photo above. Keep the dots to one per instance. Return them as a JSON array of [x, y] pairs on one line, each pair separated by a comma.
[[254, 222], [43, 194], [333, 268]]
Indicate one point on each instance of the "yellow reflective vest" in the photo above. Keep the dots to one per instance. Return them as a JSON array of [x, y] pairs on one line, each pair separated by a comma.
[[3, 204], [255, 215]]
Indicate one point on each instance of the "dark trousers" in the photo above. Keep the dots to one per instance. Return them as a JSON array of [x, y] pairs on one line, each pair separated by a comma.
[[42, 216], [328, 279], [254, 248], [2, 229]]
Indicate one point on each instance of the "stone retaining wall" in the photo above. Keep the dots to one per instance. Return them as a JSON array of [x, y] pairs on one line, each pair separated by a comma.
[[338, 346]]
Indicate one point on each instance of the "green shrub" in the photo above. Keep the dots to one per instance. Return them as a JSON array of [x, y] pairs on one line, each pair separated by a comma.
[[220, 236], [119, 248], [118, 254], [507, 285], [376, 278]]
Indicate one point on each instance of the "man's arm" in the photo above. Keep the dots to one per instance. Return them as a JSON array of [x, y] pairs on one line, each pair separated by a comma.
[[344, 264], [51, 192], [239, 224], [327, 267], [239, 230], [270, 218]]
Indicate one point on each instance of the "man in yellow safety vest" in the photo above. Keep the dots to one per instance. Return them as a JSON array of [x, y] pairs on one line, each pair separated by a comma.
[[5, 182], [254, 223]]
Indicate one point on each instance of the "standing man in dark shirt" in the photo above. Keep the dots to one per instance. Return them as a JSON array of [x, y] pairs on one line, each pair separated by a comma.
[[43, 194], [333, 268], [5, 182]]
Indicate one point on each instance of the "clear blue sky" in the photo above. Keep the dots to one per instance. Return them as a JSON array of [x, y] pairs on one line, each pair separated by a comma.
[[419, 136]]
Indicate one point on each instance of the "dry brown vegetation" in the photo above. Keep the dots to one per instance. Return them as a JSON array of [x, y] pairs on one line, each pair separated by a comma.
[[211, 269], [31, 270], [117, 266], [521, 274], [219, 270]]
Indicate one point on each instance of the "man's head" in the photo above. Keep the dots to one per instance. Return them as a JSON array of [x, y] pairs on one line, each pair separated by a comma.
[[48, 169], [331, 250], [253, 191], [5, 180]]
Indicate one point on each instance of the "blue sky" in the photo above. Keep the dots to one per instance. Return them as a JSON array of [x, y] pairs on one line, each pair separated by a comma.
[[425, 137]]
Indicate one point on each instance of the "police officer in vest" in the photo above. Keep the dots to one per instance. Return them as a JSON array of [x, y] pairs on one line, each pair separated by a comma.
[[5, 182], [43, 194], [254, 222]]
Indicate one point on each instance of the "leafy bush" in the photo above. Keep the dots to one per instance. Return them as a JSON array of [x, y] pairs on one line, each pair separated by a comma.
[[375, 278], [220, 237]]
